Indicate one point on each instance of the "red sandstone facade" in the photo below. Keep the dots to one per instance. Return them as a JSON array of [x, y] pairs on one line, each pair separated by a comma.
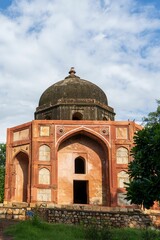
[[69, 162], [73, 152]]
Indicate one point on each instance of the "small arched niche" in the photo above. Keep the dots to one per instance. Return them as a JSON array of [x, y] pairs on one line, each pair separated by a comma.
[[20, 177], [44, 176], [123, 178], [77, 116], [44, 153], [122, 155], [79, 165]]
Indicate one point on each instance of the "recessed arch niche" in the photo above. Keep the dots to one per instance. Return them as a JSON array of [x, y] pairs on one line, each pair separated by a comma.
[[20, 177], [44, 176], [44, 153], [122, 155], [84, 146], [123, 178], [77, 116]]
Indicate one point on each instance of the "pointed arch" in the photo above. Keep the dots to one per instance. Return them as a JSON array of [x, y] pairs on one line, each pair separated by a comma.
[[122, 155], [19, 151], [85, 131], [44, 176], [83, 145], [79, 165], [44, 153], [20, 177], [122, 178]]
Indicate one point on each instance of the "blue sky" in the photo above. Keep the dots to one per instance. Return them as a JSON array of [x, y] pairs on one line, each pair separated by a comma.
[[5, 4], [156, 3], [112, 43]]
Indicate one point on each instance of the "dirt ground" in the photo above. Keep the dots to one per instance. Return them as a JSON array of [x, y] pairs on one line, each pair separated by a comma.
[[4, 223]]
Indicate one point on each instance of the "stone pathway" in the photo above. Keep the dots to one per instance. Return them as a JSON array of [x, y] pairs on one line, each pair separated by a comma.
[[5, 223]]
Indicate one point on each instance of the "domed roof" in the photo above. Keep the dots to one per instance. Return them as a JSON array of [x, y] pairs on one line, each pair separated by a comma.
[[72, 88]]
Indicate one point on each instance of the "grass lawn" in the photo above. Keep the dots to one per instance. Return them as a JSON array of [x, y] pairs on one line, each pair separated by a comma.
[[30, 230], [27, 230]]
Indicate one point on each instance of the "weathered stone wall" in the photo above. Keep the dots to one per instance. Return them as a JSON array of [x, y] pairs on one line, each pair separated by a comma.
[[13, 213], [133, 218], [101, 216], [49, 145]]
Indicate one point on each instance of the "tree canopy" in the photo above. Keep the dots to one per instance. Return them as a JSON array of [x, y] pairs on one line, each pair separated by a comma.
[[144, 170], [153, 117]]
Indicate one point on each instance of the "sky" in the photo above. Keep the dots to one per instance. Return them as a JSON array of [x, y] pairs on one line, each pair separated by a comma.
[[112, 43]]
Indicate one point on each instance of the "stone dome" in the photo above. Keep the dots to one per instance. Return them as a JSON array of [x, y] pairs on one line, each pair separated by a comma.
[[74, 99], [72, 87]]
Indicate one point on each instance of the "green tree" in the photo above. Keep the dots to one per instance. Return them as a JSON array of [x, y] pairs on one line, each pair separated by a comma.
[[2, 169], [144, 170], [153, 117], [2, 154], [2, 174]]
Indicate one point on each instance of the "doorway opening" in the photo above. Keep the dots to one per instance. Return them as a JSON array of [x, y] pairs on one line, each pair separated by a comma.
[[21, 180], [80, 191]]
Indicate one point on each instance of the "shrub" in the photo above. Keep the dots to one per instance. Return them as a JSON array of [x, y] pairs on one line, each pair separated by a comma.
[[94, 232], [149, 234]]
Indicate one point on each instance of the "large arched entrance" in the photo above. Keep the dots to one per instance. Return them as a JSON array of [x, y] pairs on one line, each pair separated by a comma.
[[21, 177], [83, 172]]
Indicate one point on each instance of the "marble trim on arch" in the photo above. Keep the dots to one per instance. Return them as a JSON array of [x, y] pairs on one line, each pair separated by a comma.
[[79, 129]]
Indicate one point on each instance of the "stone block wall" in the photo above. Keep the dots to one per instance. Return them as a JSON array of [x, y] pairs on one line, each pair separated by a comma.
[[12, 213], [87, 215], [119, 218]]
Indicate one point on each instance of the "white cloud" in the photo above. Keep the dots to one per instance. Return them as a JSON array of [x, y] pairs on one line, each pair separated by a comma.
[[114, 44]]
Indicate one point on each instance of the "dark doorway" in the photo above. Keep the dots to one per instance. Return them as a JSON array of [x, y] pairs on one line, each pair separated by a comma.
[[79, 165], [80, 192]]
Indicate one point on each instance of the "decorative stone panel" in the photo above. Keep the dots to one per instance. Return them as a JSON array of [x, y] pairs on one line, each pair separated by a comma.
[[60, 130], [121, 133], [44, 131], [44, 195], [104, 131], [21, 135]]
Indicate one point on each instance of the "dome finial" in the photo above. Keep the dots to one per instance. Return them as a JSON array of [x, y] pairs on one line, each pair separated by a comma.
[[72, 71]]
